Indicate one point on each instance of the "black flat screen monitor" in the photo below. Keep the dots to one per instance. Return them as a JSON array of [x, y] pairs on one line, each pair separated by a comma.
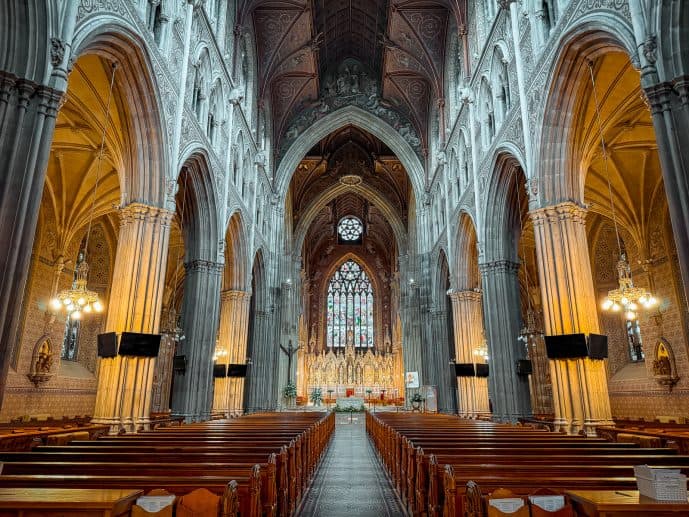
[[482, 370], [524, 367], [107, 344], [598, 346], [140, 345], [236, 370], [219, 371], [566, 346], [464, 370]]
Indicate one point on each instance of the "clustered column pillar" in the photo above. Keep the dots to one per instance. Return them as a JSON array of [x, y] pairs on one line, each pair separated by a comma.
[[192, 389], [580, 387], [232, 336], [27, 121], [472, 396], [260, 390], [123, 399], [509, 392]]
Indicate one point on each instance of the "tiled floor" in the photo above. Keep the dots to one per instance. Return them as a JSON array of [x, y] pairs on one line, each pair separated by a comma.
[[350, 480]]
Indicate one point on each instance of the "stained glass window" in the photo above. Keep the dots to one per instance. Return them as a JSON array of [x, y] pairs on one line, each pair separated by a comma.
[[350, 229], [350, 307]]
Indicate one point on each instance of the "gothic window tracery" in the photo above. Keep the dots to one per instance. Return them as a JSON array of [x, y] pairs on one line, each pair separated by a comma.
[[350, 229], [349, 308]]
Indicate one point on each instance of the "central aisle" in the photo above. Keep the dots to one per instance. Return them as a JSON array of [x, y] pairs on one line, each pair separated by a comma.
[[350, 480]]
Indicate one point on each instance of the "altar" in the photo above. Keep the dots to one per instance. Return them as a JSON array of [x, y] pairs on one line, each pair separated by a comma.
[[344, 403]]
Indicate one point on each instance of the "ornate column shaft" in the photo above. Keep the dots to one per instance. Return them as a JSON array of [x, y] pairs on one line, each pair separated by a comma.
[[228, 394], [123, 399], [472, 392], [27, 121], [192, 391], [580, 386], [509, 392], [442, 376]]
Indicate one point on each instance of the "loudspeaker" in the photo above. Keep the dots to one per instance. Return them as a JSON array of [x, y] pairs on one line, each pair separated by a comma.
[[236, 370], [139, 344], [566, 346], [524, 367], [598, 346], [107, 344], [482, 370], [179, 364], [464, 370], [219, 371]]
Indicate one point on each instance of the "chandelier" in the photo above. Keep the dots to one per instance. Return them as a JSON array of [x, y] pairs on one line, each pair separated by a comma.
[[79, 299], [626, 298]]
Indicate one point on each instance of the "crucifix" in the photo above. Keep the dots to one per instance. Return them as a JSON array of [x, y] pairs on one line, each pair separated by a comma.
[[289, 352]]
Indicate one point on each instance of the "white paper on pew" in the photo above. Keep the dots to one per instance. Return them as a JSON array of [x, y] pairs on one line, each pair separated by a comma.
[[549, 503], [508, 504], [155, 503]]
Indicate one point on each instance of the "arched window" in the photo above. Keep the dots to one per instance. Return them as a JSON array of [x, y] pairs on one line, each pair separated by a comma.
[[350, 308], [350, 229]]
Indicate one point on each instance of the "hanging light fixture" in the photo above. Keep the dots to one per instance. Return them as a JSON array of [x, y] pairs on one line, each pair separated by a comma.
[[79, 299], [627, 298], [171, 325], [530, 330]]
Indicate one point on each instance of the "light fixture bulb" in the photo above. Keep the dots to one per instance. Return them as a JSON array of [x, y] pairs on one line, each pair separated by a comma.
[[616, 307], [67, 301], [81, 301], [631, 315], [97, 306], [632, 306], [55, 304], [76, 315], [624, 300], [88, 308], [652, 301], [607, 303]]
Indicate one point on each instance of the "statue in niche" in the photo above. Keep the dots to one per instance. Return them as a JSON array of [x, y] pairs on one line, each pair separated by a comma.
[[664, 367], [42, 362]]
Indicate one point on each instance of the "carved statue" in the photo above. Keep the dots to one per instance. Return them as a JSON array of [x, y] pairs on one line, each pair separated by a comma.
[[661, 367]]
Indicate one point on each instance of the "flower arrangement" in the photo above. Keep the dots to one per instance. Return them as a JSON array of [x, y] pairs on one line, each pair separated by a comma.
[[316, 397], [290, 391]]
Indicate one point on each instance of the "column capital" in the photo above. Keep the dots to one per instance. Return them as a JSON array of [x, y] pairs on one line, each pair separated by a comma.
[[498, 266], [142, 212], [561, 211], [204, 266], [505, 4], [472, 295], [232, 294]]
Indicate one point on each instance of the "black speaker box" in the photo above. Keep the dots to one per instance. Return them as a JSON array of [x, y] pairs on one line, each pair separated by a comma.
[[464, 370], [482, 370], [524, 367], [236, 370], [179, 364], [219, 371], [598, 346], [107, 344]]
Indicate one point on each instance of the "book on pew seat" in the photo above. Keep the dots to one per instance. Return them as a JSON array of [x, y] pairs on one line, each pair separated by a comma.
[[661, 484], [160, 505], [550, 503]]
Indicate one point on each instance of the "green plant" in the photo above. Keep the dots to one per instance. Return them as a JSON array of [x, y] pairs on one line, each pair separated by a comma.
[[316, 397], [289, 391]]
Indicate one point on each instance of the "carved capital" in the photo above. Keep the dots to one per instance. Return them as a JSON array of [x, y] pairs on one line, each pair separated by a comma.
[[505, 4], [468, 295], [57, 51], [204, 266], [568, 210], [231, 295], [499, 267], [139, 212]]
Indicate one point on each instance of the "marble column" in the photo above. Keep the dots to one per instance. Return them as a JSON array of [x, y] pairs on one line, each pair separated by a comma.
[[472, 392], [509, 392], [124, 395], [580, 386], [228, 394], [260, 391], [444, 370], [27, 120], [192, 391]]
